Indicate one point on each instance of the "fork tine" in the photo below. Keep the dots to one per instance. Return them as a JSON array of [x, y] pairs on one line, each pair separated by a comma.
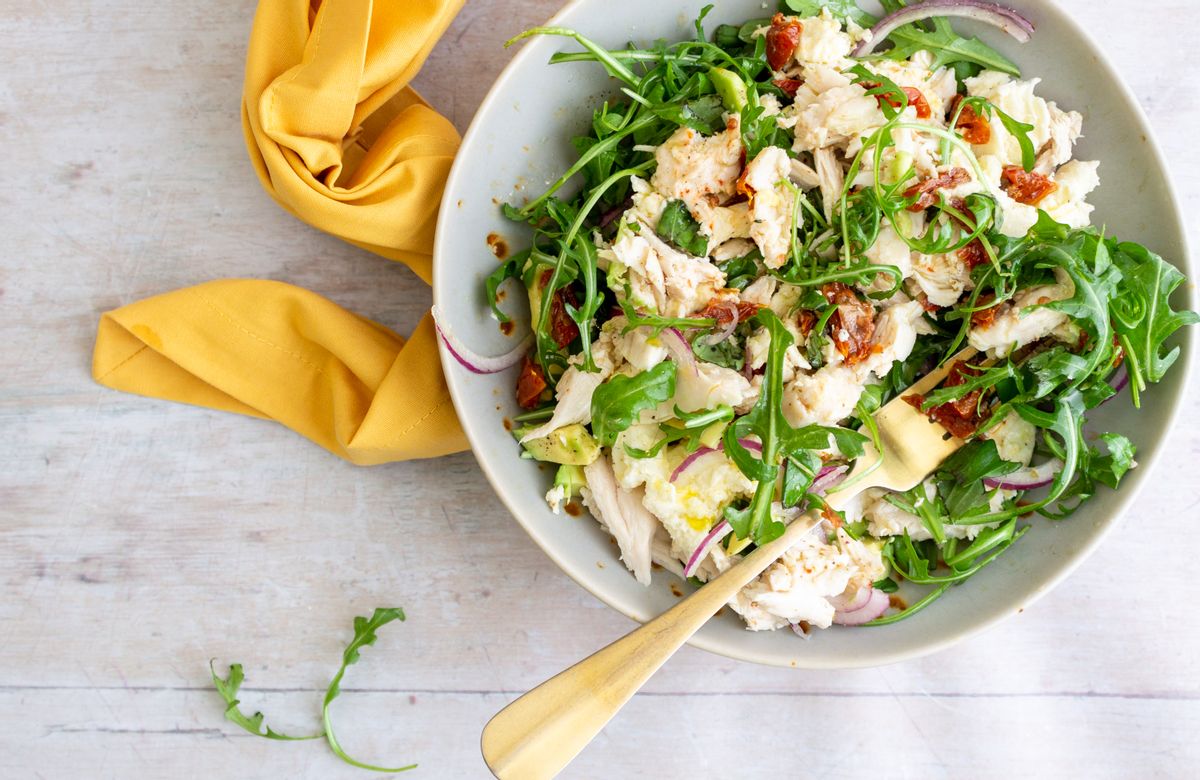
[[913, 445]]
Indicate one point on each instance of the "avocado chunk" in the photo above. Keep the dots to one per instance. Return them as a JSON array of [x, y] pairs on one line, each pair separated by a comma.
[[570, 445], [730, 87]]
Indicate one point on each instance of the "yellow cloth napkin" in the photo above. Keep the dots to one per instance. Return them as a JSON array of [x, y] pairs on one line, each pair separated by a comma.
[[341, 141]]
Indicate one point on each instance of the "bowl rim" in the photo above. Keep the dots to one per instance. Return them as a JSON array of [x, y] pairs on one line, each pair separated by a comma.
[[1124, 499]]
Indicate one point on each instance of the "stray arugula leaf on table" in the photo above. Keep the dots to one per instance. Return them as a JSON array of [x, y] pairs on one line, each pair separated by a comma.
[[364, 635]]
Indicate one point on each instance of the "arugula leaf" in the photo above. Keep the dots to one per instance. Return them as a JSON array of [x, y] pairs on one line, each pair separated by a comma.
[[960, 477], [777, 437], [657, 322], [678, 228], [844, 9], [617, 403], [1150, 280], [740, 272], [1110, 468], [228, 688], [799, 473], [947, 47], [364, 635], [509, 269]]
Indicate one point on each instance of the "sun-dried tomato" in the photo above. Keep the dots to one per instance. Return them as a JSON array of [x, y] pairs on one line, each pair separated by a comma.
[[1120, 351], [562, 328], [961, 418], [723, 314], [1025, 186], [973, 254], [807, 320], [852, 326], [789, 86], [928, 305], [983, 318], [834, 518], [782, 40], [530, 384], [926, 191], [916, 99], [974, 128]]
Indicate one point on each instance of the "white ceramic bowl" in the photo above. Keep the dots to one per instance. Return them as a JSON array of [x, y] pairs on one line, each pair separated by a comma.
[[518, 143]]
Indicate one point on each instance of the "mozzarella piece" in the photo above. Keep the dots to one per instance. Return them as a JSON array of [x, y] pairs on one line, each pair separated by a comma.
[[710, 385], [688, 507]]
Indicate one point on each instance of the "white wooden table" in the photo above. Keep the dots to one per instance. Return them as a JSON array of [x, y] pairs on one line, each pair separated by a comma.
[[140, 538]]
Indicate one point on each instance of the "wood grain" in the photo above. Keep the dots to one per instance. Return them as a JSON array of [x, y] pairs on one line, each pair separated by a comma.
[[140, 538]]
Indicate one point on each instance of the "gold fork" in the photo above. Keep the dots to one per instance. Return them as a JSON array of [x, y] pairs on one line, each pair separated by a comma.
[[540, 733]]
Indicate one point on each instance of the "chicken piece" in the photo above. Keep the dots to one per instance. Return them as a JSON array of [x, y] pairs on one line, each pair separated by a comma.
[[889, 249], [832, 179], [1025, 320], [771, 204], [825, 397], [1051, 125], [830, 110], [575, 389], [804, 177], [943, 278], [1015, 438], [662, 278], [622, 513], [799, 585], [693, 168]]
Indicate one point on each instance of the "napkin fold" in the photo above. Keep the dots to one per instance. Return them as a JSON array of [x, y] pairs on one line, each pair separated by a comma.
[[339, 139]]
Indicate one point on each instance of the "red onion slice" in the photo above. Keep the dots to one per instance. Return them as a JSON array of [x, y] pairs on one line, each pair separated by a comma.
[[690, 459], [1027, 478], [858, 601], [1119, 379], [1006, 19], [827, 477], [749, 444], [728, 330], [718, 531], [473, 361], [680, 349], [877, 603]]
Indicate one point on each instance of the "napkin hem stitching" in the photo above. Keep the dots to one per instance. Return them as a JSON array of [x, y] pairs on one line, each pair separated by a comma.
[[110, 371], [224, 315]]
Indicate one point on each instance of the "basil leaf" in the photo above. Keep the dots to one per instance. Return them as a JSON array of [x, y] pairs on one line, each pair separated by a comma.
[[678, 228], [727, 354], [617, 403]]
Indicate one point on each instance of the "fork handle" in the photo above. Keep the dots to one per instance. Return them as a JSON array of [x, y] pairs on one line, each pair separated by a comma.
[[538, 734]]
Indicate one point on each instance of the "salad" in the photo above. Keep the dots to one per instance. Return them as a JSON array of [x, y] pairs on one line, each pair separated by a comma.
[[775, 229]]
